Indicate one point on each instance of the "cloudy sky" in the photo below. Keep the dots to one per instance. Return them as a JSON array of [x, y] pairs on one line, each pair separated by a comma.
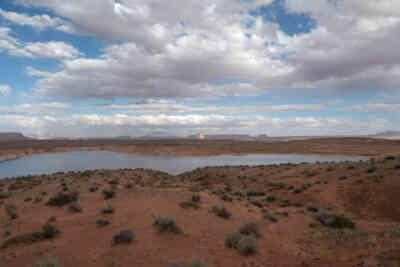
[[179, 67]]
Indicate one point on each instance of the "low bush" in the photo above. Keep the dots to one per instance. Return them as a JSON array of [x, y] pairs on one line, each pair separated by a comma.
[[49, 231], [189, 204], [108, 209], [4, 195], [250, 228], [125, 236], [312, 207], [75, 207], [108, 194], [11, 211], [102, 222], [232, 240], [196, 198], [253, 193], [221, 212], [247, 246], [46, 263], [193, 263], [167, 224], [61, 199], [334, 221]]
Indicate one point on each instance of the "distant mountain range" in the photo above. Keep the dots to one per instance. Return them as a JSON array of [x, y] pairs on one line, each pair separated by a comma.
[[12, 137], [388, 133], [9, 137]]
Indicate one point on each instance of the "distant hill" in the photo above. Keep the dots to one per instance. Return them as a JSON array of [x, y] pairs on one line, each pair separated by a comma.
[[9, 137], [388, 133], [229, 137]]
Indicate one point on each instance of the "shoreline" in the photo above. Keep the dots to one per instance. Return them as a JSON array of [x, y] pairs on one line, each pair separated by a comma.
[[18, 155]]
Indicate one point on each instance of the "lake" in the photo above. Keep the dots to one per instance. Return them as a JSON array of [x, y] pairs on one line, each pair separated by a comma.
[[92, 160]]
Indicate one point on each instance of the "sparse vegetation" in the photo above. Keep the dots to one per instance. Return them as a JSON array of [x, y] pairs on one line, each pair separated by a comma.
[[49, 231], [189, 204], [334, 221], [253, 193], [102, 222], [11, 211], [250, 228], [61, 199], [46, 263], [221, 212], [108, 194], [196, 198], [312, 207], [4, 195], [232, 240], [167, 224], [192, 263], [247, 246], [75, 207], [108, 209], [125, 236]]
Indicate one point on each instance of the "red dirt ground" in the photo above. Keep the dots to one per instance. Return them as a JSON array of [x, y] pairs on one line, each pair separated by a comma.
[[368, 196]]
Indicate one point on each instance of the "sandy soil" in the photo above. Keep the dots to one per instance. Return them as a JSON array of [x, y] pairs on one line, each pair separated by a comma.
[[365, 192]]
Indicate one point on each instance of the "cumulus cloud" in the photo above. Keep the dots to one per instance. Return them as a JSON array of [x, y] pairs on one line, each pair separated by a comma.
[[38, 22], [5, 90], [52, 49], [168, 106], [216, 47], [376, 107], [45, 108]]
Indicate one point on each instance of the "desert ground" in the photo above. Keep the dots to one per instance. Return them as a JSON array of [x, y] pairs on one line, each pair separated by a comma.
[[322, 214]]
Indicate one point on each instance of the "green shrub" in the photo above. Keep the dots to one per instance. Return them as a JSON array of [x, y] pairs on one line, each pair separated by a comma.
[[271, 218], [193, 263], [250, 228], [11, 211], [49, 231], [4, 195], [312, 207], [247, 246], [108, 209], [102, 222], [189, 204], [46, 263], [61, 199], [75, 207], [167, 224], [221, 212], [108, 194], [253, 193], [232, 240], [125, 236], [195, 198], [334, 221]]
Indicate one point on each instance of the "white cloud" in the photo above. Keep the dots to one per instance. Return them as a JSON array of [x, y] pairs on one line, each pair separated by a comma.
[[50, 108], [5, 89], [55, 50], [95, 125], [39, 22], [52, 50], [376, 107], [153, 106]]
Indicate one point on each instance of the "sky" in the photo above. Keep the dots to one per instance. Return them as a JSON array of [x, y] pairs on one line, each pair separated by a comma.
[[103, 68]]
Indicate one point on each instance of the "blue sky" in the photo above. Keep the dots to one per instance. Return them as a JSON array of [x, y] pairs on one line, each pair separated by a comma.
[[282, 67]]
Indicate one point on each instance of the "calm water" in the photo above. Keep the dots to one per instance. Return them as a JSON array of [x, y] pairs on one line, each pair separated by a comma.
[[91, 160]]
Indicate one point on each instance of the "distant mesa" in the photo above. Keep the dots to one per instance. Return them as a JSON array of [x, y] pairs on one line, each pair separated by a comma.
[[389, 134], [9, 137], [202, 136]]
